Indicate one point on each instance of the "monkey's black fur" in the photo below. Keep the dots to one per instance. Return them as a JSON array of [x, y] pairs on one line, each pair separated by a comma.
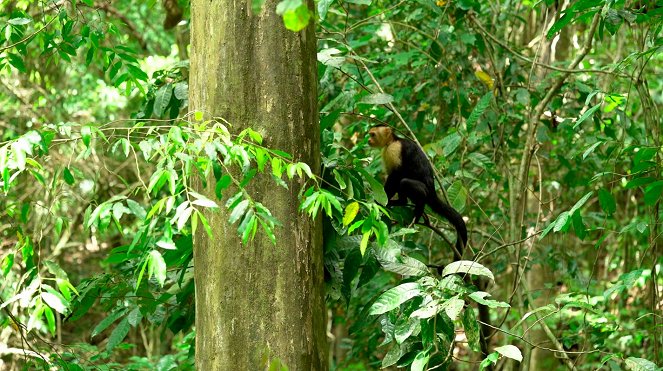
[[413, 179]]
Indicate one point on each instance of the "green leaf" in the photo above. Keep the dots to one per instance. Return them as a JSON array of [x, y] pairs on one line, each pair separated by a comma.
[[394, 297], [607, 201], [350, 213], [625, 282], [457, 195], [118, 334], [86, 135], [55, 301], [581, 202], [450, 143], [134, 317], [19, 21], [377, 98], [586, 115], [653, 192], [562, 221], [490, 359], [238, 211], [591, 149], [203, 201], [471, 329], [510, 351], [377, 189], [364, 242], [640, 364], [559, 24], [295, 14], [453, 307], [420, 360], [469, 267], [68, 176], [50, 320], [478, 110], [162, 99], [107, 322], [156, 267], [17, 62], [323, 8], [481, 298]]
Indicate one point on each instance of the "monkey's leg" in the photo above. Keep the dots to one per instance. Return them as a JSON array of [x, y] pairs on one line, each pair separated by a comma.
[[417, 192]]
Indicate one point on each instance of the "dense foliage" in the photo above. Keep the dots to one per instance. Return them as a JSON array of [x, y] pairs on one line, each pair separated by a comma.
[[542, 120]]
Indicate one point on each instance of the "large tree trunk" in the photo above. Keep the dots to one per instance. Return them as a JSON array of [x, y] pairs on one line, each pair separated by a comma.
[[259, 303]]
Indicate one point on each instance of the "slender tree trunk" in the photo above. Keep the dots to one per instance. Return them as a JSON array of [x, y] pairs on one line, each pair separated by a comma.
[[259, 304]]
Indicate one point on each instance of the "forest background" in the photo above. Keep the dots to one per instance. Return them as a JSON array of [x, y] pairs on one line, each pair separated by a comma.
[[542, 120]]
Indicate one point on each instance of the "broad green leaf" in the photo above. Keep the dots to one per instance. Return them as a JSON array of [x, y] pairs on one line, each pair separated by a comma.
[[201, 200], [625, 282], [377, 98], [562, 221], [510, 351], [479, 109], [640, 364], [653, 192], [328, 56], [323, 7], [377, 189], [607, 201], [471, 329], [453, 307], [350, 213], [19, 21], [457, 195], [420, 361], [55, 301], [162, 99], [68, 176], [295, 14], [392, 356], [238, 211], [559, 24], [481, 298], [394, 297], [118, 334], [450, 143], [107, 322], [134, 317], [467, 266], [405, 266], [405, 327], [156, 267]]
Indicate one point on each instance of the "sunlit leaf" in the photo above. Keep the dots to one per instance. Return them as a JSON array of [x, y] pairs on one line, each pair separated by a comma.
[[469, 267], [510, 351], [394, 297]]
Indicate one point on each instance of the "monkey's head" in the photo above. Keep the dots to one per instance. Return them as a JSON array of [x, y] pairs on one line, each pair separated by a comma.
[[380, 136]]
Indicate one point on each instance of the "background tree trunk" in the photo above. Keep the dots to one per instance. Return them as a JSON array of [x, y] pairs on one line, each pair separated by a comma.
[[259, 303]]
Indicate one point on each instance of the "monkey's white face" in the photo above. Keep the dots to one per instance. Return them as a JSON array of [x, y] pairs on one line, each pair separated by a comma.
[[379, 136]]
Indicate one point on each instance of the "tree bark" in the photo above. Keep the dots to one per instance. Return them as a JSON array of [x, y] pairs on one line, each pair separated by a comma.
[[259, 303]]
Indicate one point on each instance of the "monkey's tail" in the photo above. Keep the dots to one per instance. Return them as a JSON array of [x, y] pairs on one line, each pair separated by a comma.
[[450, 214]]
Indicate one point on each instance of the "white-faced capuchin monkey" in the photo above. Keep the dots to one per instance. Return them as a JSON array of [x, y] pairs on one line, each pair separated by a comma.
[[411, 176]]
